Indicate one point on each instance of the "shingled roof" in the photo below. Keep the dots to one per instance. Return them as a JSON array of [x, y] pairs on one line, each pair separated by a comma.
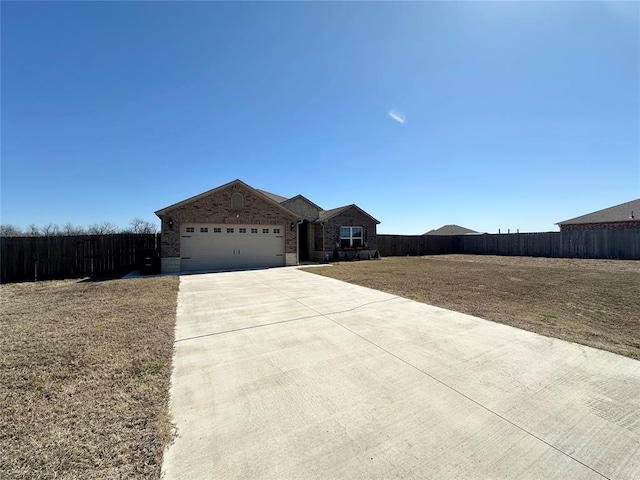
[[270, 197], [273, 196], [450, 230], [328, 214], [618, 213], [323, 215]]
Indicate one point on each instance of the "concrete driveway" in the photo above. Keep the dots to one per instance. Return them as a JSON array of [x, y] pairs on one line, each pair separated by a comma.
[[283, 374]]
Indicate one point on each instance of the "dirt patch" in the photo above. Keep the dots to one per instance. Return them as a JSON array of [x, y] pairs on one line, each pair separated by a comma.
[[591, 302], [84, 377]]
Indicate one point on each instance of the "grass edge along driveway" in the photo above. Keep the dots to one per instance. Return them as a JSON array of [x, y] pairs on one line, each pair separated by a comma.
[[85, 368], [591, 302]]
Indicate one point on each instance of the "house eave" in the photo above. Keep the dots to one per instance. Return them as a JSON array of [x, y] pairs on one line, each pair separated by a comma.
[[340, 210], [305, 199], [569, 222], [170, 208]]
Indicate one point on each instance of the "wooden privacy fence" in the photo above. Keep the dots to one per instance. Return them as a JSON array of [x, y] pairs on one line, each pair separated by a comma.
[[403, 245], [612, 244], [42, 258]]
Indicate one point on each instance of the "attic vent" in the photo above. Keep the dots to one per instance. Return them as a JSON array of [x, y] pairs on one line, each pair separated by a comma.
[[237, 201]]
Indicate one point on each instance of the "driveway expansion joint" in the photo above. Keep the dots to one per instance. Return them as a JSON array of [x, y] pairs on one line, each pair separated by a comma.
[[257, 405], [446, 385], [213, 334], [406, 362]]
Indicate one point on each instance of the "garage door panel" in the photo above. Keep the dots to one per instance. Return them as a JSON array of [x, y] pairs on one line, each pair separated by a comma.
[[215, 246]]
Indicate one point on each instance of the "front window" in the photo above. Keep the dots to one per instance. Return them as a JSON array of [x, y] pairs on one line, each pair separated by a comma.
[[350, 237]]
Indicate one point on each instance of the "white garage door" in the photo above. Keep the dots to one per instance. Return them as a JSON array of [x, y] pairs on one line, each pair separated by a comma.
[[212, 246]]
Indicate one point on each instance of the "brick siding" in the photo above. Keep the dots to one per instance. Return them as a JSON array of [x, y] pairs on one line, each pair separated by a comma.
[[581, 227], [350, 218], [216, 208]]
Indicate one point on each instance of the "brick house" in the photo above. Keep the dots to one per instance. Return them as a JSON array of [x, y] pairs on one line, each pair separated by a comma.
[[625, 216], [237, 226]]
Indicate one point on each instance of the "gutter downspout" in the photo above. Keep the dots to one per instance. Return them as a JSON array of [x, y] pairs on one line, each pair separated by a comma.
[[298, 242]]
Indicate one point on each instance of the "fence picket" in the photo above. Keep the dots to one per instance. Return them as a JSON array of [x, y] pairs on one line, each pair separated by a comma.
[[22, 258], [611, 244]]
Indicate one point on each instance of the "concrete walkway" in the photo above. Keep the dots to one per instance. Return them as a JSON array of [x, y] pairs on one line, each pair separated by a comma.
[[282, 374]]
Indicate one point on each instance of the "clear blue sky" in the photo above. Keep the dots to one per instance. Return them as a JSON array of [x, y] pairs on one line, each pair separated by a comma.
[[516, 115]]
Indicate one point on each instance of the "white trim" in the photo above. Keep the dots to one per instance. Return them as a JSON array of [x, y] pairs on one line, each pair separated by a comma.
[[351, 237], [234, 247]]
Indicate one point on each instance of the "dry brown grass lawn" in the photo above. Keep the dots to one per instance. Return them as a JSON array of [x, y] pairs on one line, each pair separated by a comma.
[[84, 378], [591, 302]]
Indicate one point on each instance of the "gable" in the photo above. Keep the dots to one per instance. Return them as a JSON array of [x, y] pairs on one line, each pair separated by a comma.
[[305, 208], [218, 200], [328, 228], [348, 210]]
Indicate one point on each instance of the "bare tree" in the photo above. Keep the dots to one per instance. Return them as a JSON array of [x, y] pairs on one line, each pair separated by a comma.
[[9, 231], [50, 229], [33, 230], [104, 228], [70, 229], [138, 225]]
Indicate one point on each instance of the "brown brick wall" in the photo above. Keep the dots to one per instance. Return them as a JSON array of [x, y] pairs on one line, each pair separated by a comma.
[[581, 227], [351, 218], [216, 208]]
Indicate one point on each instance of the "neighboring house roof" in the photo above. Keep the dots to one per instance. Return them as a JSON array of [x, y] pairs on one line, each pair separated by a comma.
[[450, 230], [618, 213], [328, 214], [209, 192]]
